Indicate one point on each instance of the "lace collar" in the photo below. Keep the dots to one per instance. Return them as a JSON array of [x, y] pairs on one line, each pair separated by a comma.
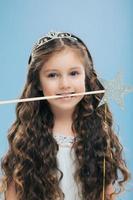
[[64, 140]]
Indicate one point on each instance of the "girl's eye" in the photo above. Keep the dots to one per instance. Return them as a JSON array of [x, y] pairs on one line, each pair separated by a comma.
[[52, 75], [74, 73]]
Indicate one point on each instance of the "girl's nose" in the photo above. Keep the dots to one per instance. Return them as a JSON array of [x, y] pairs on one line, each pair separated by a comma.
[[64, 82]]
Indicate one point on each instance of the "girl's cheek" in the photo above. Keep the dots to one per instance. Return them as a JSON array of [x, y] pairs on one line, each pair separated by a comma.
[[80, 82]]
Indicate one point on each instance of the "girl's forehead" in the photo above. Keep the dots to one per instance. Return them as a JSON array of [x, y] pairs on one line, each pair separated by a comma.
[[64, 59], [67, 56], [67, 50]]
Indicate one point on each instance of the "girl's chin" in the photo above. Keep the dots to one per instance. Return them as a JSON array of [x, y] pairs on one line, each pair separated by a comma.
[[64, 105]]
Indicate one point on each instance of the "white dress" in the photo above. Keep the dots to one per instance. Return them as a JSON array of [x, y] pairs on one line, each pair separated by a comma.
[[2, 196], [66, 165]]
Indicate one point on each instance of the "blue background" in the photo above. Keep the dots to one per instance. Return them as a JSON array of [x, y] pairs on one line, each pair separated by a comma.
[[106, 27]]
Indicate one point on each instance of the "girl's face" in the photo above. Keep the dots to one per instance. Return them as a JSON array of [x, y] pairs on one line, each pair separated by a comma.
[[63, 73]]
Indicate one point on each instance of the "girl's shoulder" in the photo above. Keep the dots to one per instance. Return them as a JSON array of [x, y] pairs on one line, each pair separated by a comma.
[[2, 187], [9, 193], [2, 192]]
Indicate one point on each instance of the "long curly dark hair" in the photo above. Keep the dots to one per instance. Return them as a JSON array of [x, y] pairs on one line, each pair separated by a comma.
[[31, 161]]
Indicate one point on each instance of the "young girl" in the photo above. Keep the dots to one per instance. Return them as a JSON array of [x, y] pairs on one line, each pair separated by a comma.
[[58, 148]]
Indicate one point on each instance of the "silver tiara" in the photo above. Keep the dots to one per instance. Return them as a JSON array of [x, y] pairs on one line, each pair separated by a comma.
[[51, 36]]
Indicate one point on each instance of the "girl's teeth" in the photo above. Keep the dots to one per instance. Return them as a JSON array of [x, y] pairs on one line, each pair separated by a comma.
[[66, 97]]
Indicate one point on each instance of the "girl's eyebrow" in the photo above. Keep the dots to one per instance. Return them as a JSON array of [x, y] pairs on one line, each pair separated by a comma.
[[52, 69]]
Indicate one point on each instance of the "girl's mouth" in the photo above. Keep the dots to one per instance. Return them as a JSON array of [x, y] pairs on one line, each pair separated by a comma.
[[66, 95]]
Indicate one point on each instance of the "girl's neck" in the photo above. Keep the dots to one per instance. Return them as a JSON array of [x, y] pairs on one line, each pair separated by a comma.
[[63, 123]]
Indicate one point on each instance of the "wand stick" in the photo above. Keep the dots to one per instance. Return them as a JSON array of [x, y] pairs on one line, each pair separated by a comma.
[[49, 97]]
